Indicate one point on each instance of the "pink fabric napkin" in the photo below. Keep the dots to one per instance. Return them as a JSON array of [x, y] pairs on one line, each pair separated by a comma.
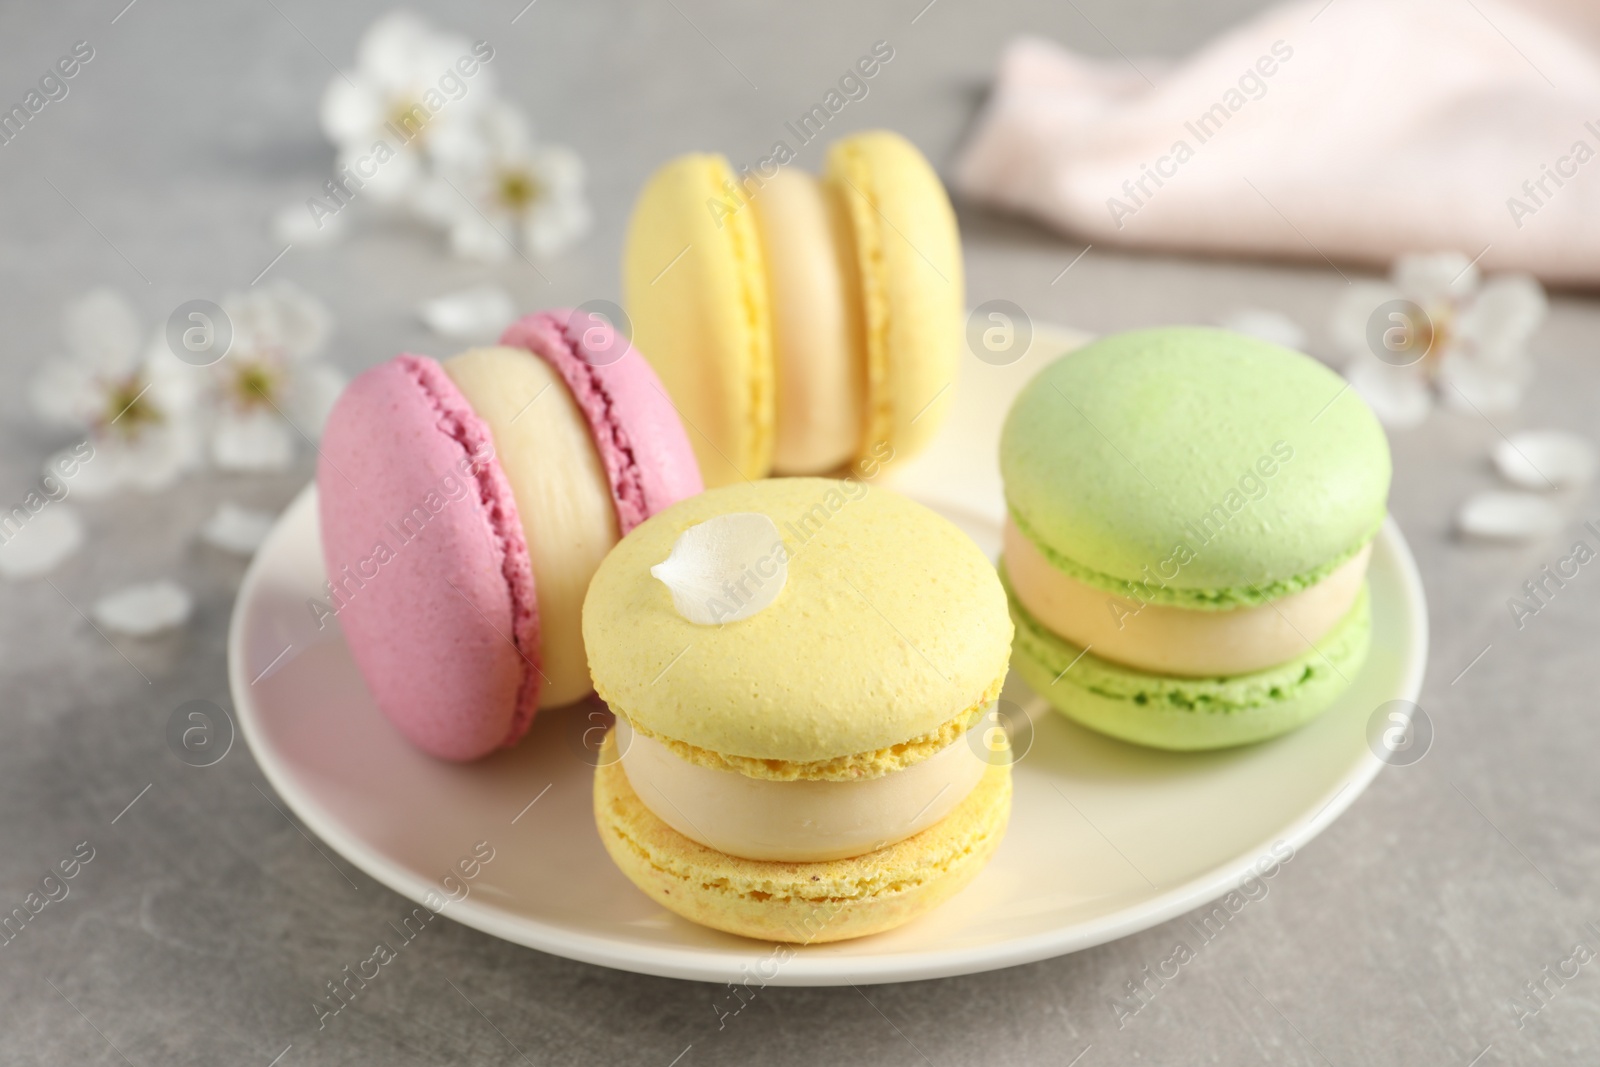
[[1356, 130]]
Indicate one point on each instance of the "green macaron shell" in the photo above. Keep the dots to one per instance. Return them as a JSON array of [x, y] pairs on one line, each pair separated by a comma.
[[1194, 467], [1189, 714]]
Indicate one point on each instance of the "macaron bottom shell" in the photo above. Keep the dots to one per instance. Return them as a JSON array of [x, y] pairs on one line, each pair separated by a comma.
[[1190, 714], [804, 903]]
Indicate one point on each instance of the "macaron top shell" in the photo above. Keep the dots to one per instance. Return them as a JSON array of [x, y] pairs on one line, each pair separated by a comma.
[[696, 289], [429, 571], [641, 441], [907, 264], [1194, 467], [890, 635]]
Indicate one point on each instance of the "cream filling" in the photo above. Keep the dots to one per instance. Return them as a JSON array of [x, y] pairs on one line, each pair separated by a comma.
[[1179, 641], [563, 498], [799, 822], [820, 370]]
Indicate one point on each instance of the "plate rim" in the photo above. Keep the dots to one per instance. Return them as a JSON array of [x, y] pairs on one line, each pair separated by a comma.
[[801, 968]]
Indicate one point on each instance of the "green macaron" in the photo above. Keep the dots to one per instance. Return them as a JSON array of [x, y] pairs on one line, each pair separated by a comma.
[[1195, 469]]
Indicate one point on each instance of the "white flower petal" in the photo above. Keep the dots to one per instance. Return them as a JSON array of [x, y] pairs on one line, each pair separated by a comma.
[[33, 543], [1397, 395], [66, 467], [236, 529], [506, 127], [1501, 516], [1469, 384], [392, 180], [562, 216], [102, 330], [389, 46], [296, 224], [176, 387], [252, 441], [64, 393], [1503, 316], [144, 609], [474, 314], [473, 238], [278, 317], [497, 130], [306, 321], [1273, 326], [559, 167], [1433, 278], [400, 47], [155, 459], [99, 475], [1348, 323], [351, 111], [312, 392], [726, 568], [555, 225], [1545, 459]]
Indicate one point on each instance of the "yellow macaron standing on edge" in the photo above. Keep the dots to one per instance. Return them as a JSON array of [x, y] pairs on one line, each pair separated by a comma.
[[810, 769], [801, 325]]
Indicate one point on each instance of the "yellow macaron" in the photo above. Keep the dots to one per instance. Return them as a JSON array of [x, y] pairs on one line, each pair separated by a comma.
[[815, 749], [801, 325]]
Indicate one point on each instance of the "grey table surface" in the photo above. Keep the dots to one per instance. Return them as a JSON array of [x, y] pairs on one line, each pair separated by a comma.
[[206, 924]]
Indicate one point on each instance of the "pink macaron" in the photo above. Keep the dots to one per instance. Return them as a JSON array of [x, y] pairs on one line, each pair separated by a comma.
[[433, 571]]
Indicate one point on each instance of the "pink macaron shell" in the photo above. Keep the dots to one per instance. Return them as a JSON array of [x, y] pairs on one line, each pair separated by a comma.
[[426, 556], [637, 431]]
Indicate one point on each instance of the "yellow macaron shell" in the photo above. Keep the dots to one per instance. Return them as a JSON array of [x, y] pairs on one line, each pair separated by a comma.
[[907, 254], [889, 637], [543, 444], [807, 903], [816, 324], [696, 293]]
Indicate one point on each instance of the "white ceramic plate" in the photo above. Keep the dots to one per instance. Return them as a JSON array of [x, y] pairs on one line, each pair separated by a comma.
[[1105, 839]]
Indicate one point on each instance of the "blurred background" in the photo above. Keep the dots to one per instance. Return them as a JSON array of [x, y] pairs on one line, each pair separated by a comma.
[[1403, 152]]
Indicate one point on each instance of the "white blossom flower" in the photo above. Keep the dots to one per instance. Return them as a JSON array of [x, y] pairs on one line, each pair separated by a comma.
[[137, 402], [418, 127], [270, 389], [407, 92], [508, 188], [1467, 349]]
